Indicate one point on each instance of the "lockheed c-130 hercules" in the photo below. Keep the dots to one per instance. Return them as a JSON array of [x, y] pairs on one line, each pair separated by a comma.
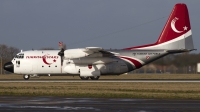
[[92, 62]]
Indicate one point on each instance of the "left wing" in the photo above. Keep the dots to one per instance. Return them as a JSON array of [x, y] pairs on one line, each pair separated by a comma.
[[97, 52]]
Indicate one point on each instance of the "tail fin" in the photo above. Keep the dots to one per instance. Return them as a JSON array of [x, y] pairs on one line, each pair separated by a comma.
[[176, 34]]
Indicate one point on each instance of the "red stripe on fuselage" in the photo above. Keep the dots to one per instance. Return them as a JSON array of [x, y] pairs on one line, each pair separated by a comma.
[[135, 62]]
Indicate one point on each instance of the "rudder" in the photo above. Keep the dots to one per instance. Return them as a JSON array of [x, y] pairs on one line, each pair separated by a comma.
[[176, 34]]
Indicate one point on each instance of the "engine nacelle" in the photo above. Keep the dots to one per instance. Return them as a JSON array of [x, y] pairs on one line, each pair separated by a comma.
[[79, 53], [71, 69], [75, 53]]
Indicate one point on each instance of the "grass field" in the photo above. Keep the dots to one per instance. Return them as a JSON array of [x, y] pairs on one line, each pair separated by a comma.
[[106, 90]]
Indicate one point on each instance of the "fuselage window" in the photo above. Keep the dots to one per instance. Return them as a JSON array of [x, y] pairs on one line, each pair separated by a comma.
[[18, 62]]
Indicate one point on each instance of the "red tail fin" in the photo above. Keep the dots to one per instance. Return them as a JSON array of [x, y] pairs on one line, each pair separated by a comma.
[[177, 24], [175, 32]]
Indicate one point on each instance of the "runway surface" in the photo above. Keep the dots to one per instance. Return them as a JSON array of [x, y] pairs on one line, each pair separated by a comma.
[[107, 80], [51, 104]]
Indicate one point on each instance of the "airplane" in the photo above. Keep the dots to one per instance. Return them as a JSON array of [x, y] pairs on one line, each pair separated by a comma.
[[93, 62]]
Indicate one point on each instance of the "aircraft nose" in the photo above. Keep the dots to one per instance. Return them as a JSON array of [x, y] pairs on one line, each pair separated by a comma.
[[9, 67]]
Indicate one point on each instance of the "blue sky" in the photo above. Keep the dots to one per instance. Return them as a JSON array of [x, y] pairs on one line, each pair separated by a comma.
[[35, 24]]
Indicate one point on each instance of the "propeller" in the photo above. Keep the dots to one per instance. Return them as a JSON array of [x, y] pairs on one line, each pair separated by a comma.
[[62, 48]]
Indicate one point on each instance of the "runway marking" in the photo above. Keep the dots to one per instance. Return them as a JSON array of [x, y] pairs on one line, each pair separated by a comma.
[[90, 81]]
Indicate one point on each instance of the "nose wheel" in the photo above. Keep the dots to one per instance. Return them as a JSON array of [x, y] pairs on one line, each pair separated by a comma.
[[26, 77]]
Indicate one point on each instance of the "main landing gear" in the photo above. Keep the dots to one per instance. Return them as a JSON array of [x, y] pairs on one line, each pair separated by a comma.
[[86, 78]]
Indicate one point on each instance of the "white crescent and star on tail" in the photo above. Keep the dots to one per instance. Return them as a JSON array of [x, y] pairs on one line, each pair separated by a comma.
[[174, 28]]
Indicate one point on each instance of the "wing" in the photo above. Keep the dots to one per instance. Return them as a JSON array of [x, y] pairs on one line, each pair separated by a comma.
[[97, 52]]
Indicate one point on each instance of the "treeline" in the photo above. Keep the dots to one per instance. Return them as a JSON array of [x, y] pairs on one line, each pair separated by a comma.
[[179, 60], [7, 53]]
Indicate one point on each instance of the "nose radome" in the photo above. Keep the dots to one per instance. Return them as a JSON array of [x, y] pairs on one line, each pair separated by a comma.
[[9, 67]]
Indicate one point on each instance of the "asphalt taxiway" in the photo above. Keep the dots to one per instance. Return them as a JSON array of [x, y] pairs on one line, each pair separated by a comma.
[[51, 104]]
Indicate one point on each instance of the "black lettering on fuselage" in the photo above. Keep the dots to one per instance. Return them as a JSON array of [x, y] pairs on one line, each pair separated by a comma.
[[146, 54]]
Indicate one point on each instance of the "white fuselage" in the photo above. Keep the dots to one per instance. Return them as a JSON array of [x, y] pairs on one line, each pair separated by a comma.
[[75, 62]]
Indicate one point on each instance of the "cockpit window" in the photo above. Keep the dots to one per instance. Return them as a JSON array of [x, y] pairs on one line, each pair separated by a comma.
[[19, 56]]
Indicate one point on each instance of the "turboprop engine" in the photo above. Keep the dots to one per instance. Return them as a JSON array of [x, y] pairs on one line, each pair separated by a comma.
[[75, 53]]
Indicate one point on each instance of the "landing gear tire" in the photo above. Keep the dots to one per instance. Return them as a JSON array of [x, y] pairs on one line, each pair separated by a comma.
[[26, 77], [84, 78], [94, 78]]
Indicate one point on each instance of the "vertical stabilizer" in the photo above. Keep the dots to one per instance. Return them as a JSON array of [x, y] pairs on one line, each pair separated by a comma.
[[176, 34]]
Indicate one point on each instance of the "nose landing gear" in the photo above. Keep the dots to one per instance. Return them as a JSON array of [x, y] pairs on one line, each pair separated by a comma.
[[26, 76]]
